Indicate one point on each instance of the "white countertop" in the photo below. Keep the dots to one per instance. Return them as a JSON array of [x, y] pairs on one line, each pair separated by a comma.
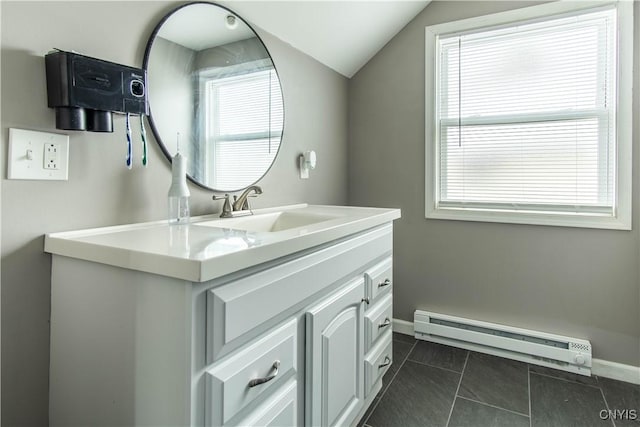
[[199, 252]]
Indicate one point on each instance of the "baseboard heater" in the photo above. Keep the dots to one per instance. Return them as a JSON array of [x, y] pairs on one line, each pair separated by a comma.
[[539, 348]]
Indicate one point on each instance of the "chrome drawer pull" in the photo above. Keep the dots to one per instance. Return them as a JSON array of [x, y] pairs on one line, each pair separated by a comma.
[[365, 300], [386, 323], [259, 381], [386, 282], [386, 362]]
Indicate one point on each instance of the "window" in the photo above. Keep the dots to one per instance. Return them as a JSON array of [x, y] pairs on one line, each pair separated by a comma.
[[242, 132], [531, 118]]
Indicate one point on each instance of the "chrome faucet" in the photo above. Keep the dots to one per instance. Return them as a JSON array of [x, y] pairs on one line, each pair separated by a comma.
[[241, 203]]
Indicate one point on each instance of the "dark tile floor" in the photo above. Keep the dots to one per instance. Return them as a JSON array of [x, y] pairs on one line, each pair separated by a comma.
[[431, 384]]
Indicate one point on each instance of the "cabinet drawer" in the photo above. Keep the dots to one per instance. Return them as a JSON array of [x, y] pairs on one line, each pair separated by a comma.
[[377, 361], [229, 383], [379, 280], [378, 319], [279, 410]]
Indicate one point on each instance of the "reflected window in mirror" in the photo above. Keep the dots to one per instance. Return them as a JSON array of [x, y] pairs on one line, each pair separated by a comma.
[[244, 120]]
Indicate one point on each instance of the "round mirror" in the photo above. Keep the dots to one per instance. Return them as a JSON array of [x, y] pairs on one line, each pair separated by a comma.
[[214, 94]]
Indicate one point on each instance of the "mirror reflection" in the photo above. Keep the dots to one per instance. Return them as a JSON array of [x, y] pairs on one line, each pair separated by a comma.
[[214, 94]]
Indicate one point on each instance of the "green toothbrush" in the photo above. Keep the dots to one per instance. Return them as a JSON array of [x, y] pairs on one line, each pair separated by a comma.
[[143, 133]]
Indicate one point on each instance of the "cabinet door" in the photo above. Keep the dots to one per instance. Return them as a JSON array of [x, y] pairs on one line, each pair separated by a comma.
[[334, 357]]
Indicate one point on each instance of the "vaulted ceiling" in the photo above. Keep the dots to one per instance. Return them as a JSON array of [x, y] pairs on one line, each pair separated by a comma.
[[343, 35]]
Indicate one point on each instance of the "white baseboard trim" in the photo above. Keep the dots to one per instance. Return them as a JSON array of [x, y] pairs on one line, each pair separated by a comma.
[[403, 327], [615, 371], [599, 367]]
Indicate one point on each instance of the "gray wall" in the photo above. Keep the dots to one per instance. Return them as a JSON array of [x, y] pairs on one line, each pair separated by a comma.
[[173, 87], [230, 54], [100, 190], [572, 281]]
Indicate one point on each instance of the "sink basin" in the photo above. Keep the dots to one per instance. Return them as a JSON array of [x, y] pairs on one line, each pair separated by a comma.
[[270, 222]]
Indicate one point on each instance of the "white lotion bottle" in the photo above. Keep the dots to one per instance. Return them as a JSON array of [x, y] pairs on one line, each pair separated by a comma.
[[179, 192]]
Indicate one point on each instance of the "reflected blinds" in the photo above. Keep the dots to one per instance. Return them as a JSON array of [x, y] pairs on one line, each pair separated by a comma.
[[245, 126], [526, 116]]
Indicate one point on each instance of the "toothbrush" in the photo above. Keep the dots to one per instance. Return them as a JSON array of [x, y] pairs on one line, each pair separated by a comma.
[[143, 134], [129, 145]]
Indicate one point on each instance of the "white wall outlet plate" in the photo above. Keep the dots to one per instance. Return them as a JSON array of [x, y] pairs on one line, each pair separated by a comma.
[[38, 155]]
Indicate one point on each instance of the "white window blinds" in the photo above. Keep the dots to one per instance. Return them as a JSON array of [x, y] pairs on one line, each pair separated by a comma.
[[245, 126], [526, 117]]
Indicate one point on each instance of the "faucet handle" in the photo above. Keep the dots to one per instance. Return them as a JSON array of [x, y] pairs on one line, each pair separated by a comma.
[[227, 210]]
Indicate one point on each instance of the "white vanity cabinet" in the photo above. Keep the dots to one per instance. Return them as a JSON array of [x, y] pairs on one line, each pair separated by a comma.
[[302, 339]]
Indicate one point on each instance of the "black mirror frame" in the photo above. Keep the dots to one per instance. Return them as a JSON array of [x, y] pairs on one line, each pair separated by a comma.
[[154, 129]]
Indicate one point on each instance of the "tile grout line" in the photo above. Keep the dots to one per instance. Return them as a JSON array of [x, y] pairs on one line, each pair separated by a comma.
[[455, 396], [606, 405], [493, 406], [384, 390], [529, 390], [373, 408], [563, 379], [434, 366]]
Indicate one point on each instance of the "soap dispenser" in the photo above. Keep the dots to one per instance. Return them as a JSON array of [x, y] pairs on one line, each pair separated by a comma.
[[179, 192]]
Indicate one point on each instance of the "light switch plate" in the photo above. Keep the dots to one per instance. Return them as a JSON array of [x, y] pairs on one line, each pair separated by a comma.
[[38, 155]]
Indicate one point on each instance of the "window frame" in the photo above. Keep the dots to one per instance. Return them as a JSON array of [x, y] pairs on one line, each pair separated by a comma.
[[621, 220]]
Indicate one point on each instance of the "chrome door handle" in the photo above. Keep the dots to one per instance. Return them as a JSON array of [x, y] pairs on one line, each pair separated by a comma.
[[386, 282], [387, 362], [365, 300], [259, 381], [384, 324]]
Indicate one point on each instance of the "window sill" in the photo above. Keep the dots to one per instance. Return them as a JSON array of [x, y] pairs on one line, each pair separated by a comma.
[[531, 218]]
